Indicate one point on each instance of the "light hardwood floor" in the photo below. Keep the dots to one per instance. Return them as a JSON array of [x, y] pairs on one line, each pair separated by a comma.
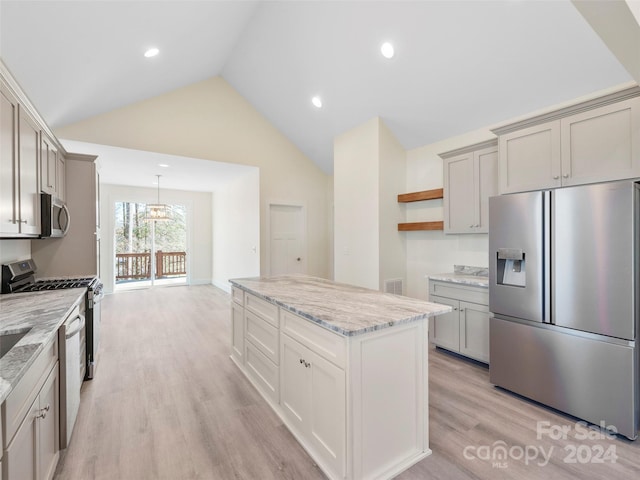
[[168, 403]]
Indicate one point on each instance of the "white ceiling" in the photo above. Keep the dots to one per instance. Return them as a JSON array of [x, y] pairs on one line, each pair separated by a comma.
[[459, 65], [140, 168]]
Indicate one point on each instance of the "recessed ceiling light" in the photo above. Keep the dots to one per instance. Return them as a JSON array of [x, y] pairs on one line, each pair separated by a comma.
[[163, 165], [387, 50], [317, 102], [152, 52]]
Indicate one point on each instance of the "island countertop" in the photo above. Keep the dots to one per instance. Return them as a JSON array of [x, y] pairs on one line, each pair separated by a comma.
[[345, 309], [40, 312]]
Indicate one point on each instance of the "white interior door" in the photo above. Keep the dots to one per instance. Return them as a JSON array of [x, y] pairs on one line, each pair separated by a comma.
[[287, 239]]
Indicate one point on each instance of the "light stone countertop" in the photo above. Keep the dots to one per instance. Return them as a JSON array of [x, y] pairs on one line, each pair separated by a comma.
[[43, 313], [345, 309], [464, 275]]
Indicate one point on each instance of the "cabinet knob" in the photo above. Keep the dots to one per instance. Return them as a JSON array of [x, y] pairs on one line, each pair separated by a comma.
[[566, 175], [556, 177], [455, 309]]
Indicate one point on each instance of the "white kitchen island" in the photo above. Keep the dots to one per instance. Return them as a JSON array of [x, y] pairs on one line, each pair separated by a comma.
[[344, 367]]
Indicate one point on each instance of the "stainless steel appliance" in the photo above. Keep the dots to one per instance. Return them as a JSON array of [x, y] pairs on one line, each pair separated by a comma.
[[564, 297], [19, 276], [55, 218], [71, 373]]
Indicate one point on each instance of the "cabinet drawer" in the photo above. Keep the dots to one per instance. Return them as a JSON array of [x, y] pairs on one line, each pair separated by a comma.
[[262, 308], [18, 403], [459, 292], [329, 345], [263, 335], [237, 295], [263, 372]]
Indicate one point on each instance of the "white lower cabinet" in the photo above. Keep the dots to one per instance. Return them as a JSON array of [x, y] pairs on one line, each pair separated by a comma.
[[465, 330], [333, 391], [312, 397], [237, 333], [33, 452]]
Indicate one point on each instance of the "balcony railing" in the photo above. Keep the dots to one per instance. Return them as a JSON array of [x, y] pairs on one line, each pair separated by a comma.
[[137, 266]]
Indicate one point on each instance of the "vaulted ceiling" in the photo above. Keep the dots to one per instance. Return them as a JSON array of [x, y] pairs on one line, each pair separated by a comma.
[[459, 65]]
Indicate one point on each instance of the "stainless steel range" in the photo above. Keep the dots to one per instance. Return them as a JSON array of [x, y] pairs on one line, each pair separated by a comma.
[[19, 277]]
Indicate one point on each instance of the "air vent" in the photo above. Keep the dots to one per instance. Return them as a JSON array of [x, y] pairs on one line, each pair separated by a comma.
[[393, 285]]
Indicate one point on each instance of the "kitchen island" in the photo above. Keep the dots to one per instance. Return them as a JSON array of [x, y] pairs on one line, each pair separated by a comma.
[[344, 367]]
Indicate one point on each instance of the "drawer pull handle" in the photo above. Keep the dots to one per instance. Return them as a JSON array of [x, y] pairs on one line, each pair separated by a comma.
[[43, 412], [305, 363]]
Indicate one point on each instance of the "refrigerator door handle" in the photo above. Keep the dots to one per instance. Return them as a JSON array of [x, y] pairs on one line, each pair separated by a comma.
[[547, 232]]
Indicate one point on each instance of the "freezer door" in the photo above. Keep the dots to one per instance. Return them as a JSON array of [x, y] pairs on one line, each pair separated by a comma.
[[516, 261], [588, 378], [593, 258]]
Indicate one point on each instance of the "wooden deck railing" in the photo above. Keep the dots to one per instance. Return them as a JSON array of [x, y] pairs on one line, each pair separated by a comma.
[[137, 266]]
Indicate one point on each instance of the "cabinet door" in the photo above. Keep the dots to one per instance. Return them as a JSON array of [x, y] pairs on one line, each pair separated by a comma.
[[486, 163], [327, 412], [48, 164], [237, 332], [9, 215], [49, 434], [530, 158], [21, 456], [29, 181], [602, 144], [459, 193], [474, 331], [295, 383], [444, 330]]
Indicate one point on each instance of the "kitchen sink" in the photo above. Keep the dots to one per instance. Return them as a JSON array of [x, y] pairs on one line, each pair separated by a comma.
[[8, 340]]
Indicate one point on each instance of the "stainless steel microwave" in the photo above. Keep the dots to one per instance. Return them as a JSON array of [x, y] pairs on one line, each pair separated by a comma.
[[54, 215]]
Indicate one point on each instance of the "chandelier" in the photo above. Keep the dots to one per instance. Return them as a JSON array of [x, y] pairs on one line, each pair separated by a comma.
[[157, 211]]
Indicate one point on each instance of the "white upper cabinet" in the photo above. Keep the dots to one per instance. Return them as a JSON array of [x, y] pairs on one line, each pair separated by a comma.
[[470, 178], [591, 142], [601, 144], [19, 201], [530, 158]]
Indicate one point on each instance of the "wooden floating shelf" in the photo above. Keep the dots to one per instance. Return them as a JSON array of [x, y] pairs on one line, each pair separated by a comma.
[[410, 227], [418, 196]]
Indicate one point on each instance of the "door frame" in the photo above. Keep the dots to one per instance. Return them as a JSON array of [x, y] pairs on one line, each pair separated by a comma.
[[304, 247]]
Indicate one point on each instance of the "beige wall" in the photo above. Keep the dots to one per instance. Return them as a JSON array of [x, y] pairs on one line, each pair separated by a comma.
[[236, 230], [369, 172], [11, 250], [430, 252], [356, 221], [210, 120]]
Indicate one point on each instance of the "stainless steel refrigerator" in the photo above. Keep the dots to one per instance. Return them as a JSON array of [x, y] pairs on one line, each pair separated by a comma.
[[565, 300]]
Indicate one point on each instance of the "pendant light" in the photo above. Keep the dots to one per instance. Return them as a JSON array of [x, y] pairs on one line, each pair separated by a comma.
[[157, 211]]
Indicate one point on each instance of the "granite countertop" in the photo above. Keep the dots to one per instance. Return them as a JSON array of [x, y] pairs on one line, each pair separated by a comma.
[[345, 309], [43, 313], [464, 275]]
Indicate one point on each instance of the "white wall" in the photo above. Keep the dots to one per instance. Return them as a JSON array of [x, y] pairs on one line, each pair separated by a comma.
[[356, 219], [11, 250], [199, 228], [392, 158], [430, 252], [236, 230]]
